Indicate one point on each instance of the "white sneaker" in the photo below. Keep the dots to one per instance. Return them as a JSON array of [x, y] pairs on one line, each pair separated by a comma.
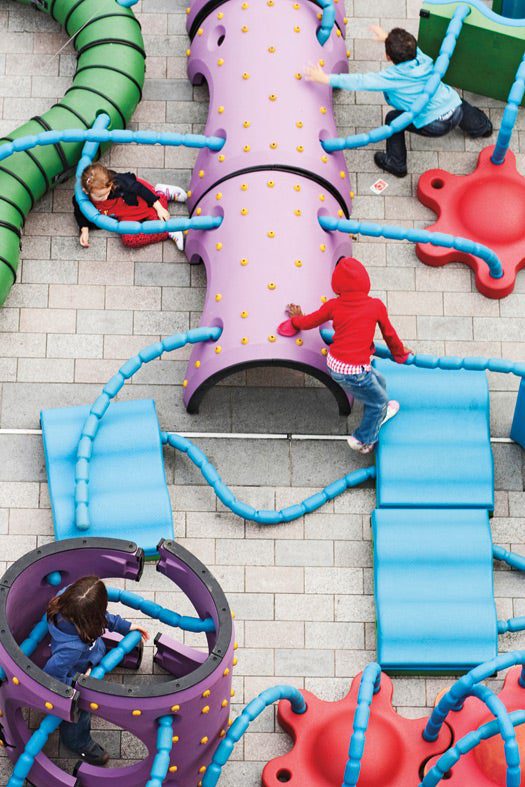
[[391, 411], [172, 193], [357, 445], [178, 239]]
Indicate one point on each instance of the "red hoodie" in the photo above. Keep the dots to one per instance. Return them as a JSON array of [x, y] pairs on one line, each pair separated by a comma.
[[354, 315]]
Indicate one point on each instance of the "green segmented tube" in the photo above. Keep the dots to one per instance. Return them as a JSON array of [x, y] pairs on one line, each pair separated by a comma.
[[109, 78]]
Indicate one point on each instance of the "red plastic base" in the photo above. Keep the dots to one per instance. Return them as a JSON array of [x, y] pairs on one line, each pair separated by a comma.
[[485, 765], [394, 755], [487, 206]]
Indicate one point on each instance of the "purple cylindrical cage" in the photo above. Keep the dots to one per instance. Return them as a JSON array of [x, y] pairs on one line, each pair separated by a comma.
[[196, 696], [269, 182]]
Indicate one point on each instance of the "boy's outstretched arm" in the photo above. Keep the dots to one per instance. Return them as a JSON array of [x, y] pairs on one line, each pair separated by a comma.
[[374, 80]]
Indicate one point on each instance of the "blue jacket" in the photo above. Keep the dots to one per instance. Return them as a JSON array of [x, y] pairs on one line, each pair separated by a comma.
[[402, 84], [70, 654]]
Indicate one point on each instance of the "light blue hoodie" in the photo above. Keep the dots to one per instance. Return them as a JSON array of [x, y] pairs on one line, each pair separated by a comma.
[[402, 83]]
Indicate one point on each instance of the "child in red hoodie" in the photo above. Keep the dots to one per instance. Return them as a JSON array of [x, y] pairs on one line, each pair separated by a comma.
[[355, 316]]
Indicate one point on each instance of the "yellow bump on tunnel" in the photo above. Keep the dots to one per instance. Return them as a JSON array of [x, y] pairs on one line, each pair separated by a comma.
[[173, 769], [244, 211], [218, 349], [245, 75], [297, 187], [220, 109], [342, 174], [270, 183], [220, 15], [340, 213], [323, 298], [300, 148], [222, 733], [184, 383], [48, 705], [322, 247], [299, 342], [175, 708], [244, 261], [246, 124], [198, 211], [244, 29], [200, 31], [298, 75], [206, 693], [244, 340], [204, 740], [218, 196], [272, 285], [226, 672], [299, 123], [136, 712], [323, 110], [322, 197], [273, 96], [220, 61], [246, 148], [221, 157], [298, 212], [218, 246], [244, 187], [271, 50], [298, 263], [175, 739], [321, 62], [273, 145], [271, 234], [205, 709], [188, 52], [201, 173], [224, 704], [324, 351], [244, 315], [297, 29], [197, 364], [218, 297], [324, 159], [271, 338]]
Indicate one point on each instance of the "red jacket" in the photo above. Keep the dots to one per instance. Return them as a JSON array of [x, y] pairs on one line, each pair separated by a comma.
[[354, 315]]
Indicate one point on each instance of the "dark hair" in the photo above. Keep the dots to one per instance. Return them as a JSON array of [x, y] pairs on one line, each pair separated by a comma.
[[84, 603], [400, 45]]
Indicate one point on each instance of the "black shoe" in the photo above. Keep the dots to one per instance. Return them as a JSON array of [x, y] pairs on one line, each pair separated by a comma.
[[94, 754], [381, 161], [488, 133]]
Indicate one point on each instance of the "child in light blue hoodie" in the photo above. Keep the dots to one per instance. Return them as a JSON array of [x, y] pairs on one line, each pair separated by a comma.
[[402, 83], [77, 617]]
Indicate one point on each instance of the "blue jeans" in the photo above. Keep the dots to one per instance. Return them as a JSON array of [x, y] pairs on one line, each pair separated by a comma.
[[370, 388], [470, 119], [76, 735]]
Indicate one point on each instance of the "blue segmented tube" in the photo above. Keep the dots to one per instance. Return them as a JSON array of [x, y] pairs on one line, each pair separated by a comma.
[[510, 116], [157, 612], [466, 745], [161, 762], [87, 208], [327, 21], [226, 496], [454, 697], [101, 404], [370, 685], [394, 232], [239, 727]]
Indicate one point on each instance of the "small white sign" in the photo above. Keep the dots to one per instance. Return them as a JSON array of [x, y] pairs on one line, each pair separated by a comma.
[[379, 186]]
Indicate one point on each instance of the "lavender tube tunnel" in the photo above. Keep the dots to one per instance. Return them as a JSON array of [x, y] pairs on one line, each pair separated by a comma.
[[197, 693], [269, 182]]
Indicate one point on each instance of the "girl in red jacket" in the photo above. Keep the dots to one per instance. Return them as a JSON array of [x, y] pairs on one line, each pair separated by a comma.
[[125, 197], [355, 315]]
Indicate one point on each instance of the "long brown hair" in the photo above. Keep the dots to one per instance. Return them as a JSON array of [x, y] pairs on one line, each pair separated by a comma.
[[97, 176], [84, 603]]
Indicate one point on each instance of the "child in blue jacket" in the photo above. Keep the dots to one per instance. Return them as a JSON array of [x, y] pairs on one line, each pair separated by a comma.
[[77, 618], [402, 83]]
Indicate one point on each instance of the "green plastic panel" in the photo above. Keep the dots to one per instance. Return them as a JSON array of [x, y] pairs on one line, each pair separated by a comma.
[[487, 55]]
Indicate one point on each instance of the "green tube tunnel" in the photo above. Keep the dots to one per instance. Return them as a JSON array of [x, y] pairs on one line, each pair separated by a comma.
[[109, 78]]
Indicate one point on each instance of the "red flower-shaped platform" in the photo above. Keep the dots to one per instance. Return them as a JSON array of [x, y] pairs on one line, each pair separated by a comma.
[[394, 748], [487, 206], [485, 765]]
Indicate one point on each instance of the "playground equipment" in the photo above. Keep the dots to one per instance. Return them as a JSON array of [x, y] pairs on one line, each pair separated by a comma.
[[493, 42], [268, 181], [105, 468], [109, 78], [388, 750], [430, 479], [180, 721]]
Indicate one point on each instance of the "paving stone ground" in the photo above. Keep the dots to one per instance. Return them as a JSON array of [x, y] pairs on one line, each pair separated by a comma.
[[302, 592]]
